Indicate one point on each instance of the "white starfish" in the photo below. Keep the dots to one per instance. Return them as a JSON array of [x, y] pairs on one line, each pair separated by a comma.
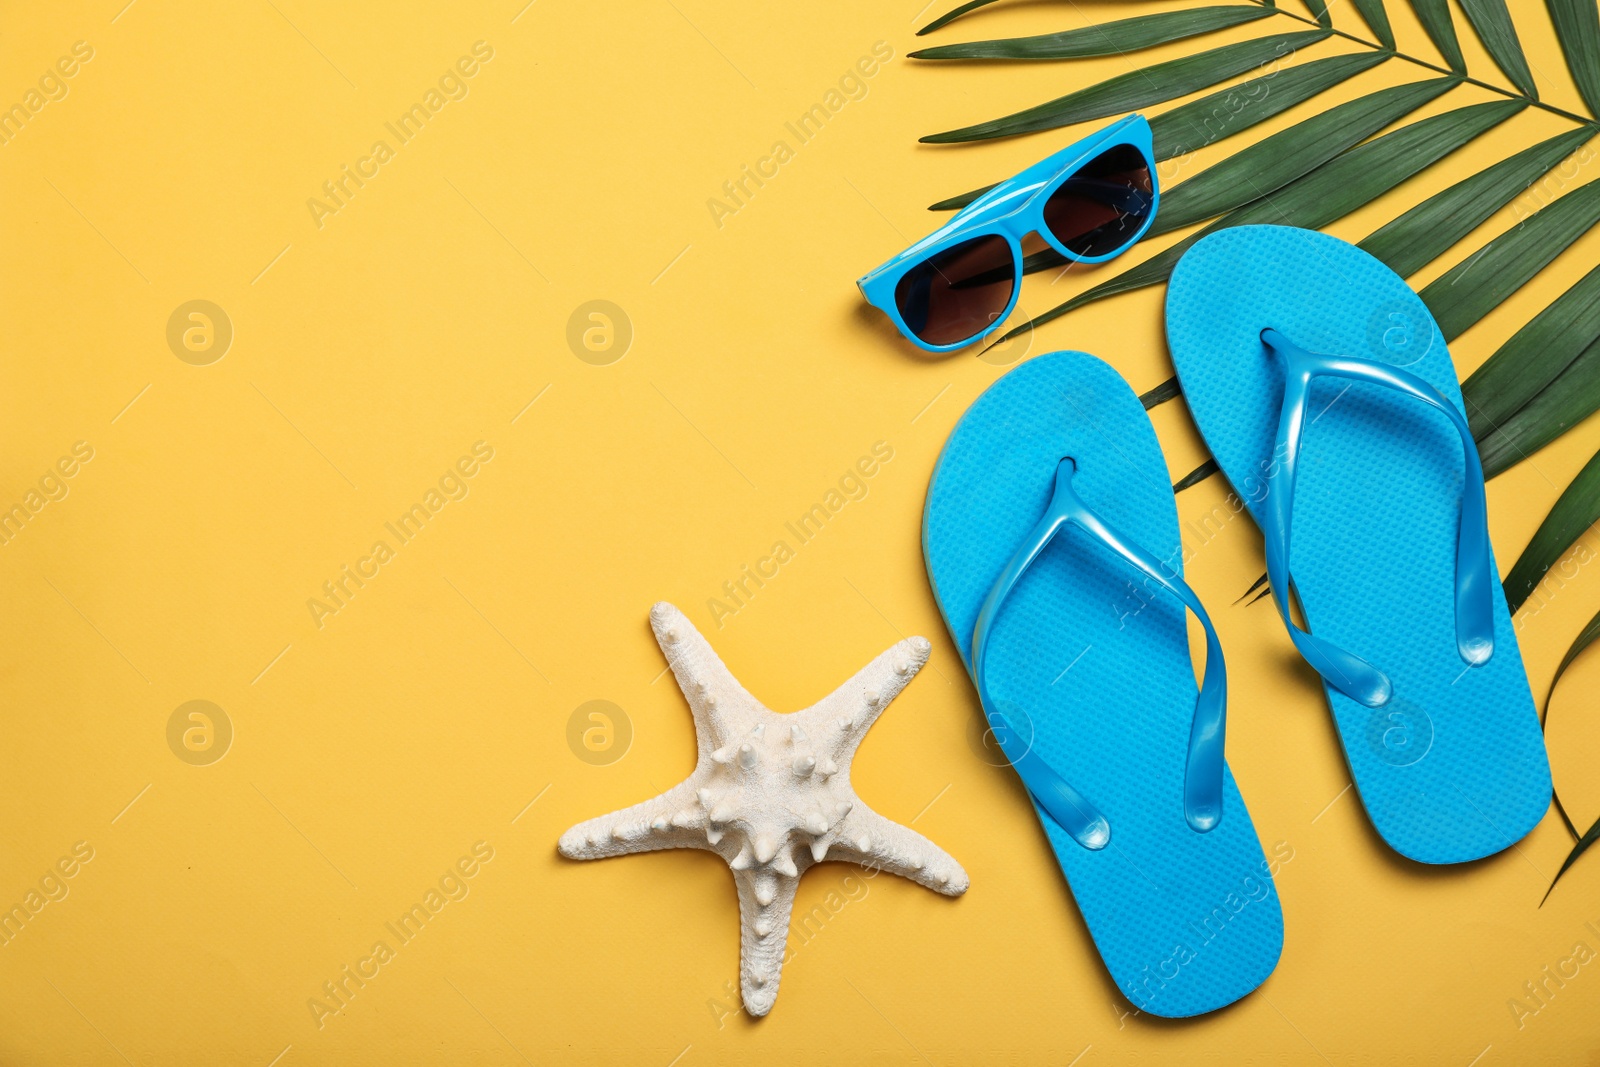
[[771, 795]]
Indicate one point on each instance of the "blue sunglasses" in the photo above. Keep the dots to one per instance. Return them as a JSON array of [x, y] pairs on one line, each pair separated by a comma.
[[1090, 201]]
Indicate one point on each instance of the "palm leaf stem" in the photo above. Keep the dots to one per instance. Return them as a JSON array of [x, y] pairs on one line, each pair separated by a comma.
[[1540, 104]]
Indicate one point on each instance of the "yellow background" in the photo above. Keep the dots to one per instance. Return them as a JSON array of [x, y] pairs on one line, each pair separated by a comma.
[[371, 753]]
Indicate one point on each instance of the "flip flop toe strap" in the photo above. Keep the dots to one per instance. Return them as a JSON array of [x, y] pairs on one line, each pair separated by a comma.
[[1474, 580], [1202, 789]]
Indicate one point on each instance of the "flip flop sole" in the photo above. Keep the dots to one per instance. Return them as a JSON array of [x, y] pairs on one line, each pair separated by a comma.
[[1094, 669], [1453, 768]]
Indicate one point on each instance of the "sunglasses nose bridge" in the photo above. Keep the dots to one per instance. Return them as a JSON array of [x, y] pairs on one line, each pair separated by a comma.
[[1019, 224]]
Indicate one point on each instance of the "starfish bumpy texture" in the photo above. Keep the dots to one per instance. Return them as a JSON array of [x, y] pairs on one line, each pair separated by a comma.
[[771, 795]]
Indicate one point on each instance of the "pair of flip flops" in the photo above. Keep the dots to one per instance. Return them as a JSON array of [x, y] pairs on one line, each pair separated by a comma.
[[1327, 396]]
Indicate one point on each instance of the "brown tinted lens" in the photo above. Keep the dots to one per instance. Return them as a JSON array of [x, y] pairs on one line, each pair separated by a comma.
[[1101, 207], [955, 295]]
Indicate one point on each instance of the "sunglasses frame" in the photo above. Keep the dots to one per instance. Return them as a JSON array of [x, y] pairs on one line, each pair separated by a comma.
[[1012, 210]]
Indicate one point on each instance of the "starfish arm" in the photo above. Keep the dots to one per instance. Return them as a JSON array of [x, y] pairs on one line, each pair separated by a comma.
[[672, 820], [766, 901], [720, 705], [869, 839], [840, 719]]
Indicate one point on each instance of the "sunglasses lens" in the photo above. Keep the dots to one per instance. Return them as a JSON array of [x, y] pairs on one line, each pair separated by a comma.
[[954, 296], [1102, 206]]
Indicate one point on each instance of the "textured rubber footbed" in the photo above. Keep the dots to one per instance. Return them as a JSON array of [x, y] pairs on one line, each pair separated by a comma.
[[1454, 767], [1095, 668]]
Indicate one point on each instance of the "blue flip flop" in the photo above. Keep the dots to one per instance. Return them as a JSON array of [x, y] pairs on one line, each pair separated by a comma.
[[1051, 539], [1327, 395]]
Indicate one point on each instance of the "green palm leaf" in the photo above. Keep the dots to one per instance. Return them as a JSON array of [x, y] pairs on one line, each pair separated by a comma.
[[1435, 18], [1108, 39], [1162, 393], [1139, 88], [953, 14], [1585, 638], [1373, 14], [1259, 584], [1205, 121], [1319, 11], [1196, 476], [1328, 193], [1209, 119], [1274, 162], [1153, 271], [1499, 392], [1492, 22], [954, 202], [1573, 396], [1473, 288], [1428, 230], [1572, 857], [1576, 510], [1578, 29]]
